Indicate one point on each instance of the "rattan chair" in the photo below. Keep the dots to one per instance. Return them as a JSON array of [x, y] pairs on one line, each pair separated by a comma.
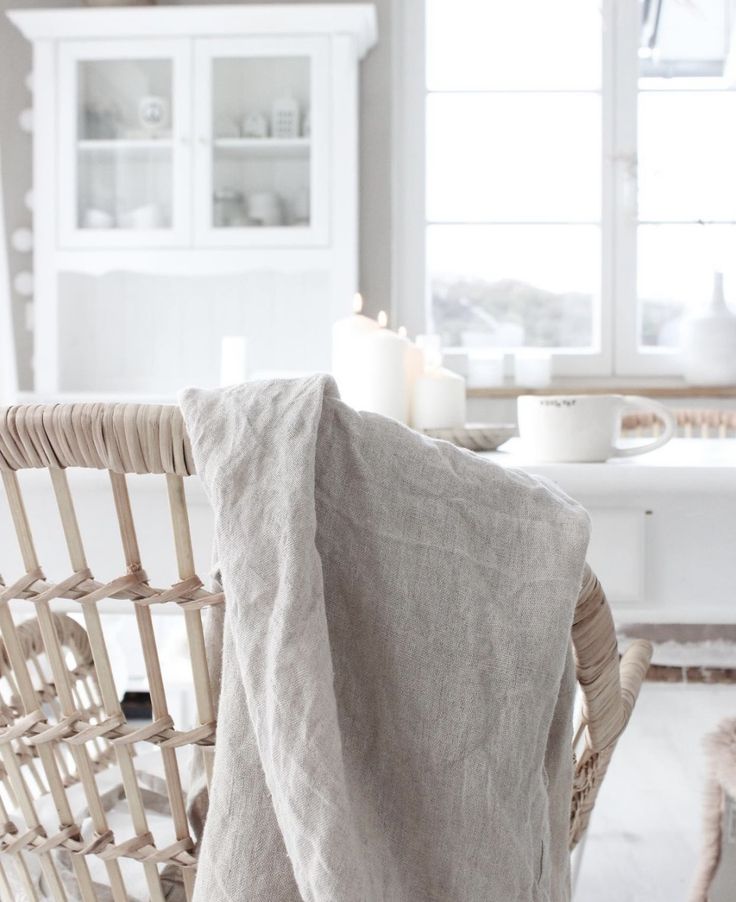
[[63, 729], [691, 423]]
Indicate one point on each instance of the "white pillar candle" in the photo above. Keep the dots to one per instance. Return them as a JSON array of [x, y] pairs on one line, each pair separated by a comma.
[[438, 400], [381, 362], [533, 368], [430, 344], [233, 360], [346, 334], [414, 369]]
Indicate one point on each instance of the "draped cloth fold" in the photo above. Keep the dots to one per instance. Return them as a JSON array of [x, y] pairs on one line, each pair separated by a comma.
[[394, 722]]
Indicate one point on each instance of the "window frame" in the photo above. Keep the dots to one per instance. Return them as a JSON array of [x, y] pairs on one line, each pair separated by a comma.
[[619, 353]]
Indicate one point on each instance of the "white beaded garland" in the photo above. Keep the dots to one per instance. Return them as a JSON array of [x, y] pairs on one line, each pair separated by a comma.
[[23, 283], [22, 240], [25, 120]]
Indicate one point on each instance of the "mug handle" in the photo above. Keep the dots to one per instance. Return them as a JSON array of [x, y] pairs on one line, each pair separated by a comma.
[[661, 412]]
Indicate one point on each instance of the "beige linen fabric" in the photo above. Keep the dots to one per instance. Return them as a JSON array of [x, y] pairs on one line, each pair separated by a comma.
[[395, 713]]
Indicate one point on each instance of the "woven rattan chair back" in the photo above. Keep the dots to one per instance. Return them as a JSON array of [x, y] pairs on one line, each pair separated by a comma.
[[695, 423], [62, 722]]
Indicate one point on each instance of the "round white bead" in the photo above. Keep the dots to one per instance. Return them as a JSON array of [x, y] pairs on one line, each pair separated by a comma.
[[22, 240], [23, 283]]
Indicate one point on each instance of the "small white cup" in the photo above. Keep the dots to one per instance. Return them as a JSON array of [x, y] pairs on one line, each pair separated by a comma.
[[576, 428], [145, 217], [532, 368], [97, 219], [264, 209], [485, 368]]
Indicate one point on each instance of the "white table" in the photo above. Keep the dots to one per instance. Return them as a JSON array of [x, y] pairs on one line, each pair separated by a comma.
[[664, 527], [664, 533]]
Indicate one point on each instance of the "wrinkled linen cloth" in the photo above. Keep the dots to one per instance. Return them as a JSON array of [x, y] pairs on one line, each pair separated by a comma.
[[394, 722]]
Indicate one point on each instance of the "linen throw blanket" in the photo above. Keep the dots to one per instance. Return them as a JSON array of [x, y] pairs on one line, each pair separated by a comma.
[[395, 715]]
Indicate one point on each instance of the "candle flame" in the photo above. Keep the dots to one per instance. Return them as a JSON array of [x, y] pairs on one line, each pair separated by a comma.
[[357, 302], [382, 319], [402, 331]]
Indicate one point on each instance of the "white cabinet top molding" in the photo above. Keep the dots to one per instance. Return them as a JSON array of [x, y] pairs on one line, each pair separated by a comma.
[[356, 19]]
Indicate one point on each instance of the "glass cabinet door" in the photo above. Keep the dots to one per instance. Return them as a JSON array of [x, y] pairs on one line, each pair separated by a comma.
[[261, 112], [124, 143]]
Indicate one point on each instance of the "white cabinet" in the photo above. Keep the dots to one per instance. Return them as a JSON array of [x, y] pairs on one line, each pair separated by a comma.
[[234, 131], [216, 145]]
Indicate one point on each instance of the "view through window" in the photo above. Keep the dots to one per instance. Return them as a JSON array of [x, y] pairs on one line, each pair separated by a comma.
[[537, 214], [686, 154]]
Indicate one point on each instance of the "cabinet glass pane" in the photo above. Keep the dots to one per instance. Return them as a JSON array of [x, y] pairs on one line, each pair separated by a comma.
[[124, 146], [261, 142]]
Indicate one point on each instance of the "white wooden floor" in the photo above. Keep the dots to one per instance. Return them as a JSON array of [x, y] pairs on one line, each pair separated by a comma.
[[645, 832]]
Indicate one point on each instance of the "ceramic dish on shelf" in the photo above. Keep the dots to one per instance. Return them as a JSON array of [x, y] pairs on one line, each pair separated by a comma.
[[477, 436]]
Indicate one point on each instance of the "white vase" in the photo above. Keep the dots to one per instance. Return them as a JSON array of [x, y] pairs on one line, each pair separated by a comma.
[[709, 342]]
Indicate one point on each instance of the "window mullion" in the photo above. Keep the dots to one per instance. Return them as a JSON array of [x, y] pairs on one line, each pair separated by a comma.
[[608, 197], [622, 76]]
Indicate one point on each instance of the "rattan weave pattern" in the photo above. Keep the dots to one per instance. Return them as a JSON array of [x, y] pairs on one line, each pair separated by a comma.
[[61, 723]]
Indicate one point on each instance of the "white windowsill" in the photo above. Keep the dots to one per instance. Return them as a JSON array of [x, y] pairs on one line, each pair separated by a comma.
[[632, 385]]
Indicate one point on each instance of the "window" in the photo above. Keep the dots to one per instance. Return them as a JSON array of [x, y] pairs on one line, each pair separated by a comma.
[[537, 226]]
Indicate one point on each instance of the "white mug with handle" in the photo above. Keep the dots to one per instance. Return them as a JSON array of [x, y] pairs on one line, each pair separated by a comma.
[[578, 428]]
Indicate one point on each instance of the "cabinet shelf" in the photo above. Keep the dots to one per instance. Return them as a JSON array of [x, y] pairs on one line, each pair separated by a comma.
[[264, 147], [132, 145]]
